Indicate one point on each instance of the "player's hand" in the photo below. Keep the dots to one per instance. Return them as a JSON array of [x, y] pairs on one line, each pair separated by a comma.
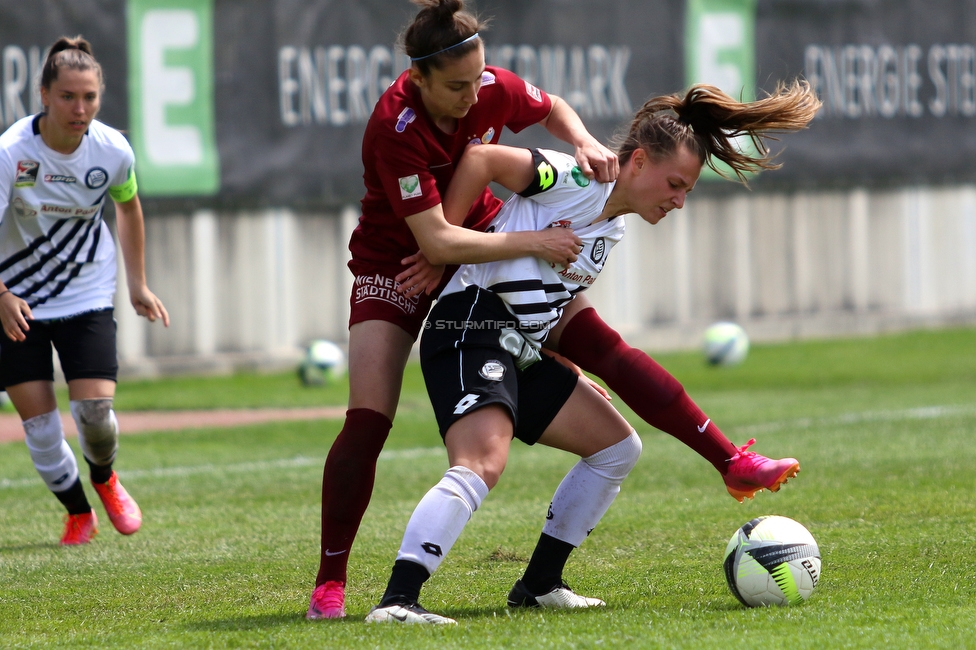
[[148, 305], [420, 277], [559, 246], [14, 314], [596, 161]]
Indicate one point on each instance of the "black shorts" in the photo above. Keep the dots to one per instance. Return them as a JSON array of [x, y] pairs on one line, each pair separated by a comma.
[[85, 345], [466, 368]]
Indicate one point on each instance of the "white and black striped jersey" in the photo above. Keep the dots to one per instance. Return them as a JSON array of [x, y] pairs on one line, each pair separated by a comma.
[[56, 252], [534, 290]]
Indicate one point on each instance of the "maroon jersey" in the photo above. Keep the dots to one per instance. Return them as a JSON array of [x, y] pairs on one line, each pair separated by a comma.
[[409, 162]]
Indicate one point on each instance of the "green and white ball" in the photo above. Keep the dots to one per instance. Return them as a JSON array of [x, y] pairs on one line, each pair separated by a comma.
[[726, 344], [772, 560], [324, 363]]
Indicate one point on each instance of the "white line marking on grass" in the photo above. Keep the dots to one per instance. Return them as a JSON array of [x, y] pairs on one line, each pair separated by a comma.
[[238, 468], [919, 413]]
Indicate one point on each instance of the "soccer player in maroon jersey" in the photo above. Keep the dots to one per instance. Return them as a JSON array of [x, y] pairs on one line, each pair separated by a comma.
[[418, 131]]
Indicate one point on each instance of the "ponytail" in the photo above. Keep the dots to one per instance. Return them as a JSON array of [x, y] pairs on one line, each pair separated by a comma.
[[69, 54], [708, 121]]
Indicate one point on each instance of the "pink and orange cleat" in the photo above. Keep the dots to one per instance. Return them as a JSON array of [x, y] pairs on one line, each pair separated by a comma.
[[122, 509], [79, 529], [750, 472], [328, 601]]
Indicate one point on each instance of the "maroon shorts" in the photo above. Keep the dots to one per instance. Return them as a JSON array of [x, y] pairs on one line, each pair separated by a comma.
[[374, 297]]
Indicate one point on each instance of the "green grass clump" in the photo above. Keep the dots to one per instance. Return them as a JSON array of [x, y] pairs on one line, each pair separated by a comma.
[[883, 428]]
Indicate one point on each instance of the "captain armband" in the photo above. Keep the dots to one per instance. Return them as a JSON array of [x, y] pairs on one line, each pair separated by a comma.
[[126, 191], [545, 175]]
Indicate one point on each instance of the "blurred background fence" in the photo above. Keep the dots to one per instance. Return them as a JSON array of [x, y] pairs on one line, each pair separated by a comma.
[[247, 116]]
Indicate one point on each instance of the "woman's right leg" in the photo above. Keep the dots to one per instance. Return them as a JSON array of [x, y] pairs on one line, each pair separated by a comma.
[[477, 449], [378, 352]]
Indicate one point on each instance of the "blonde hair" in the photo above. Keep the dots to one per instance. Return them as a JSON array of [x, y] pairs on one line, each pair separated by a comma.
[[707, 121]]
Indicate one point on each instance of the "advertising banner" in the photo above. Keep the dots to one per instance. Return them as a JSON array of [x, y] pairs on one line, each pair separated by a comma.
[[247, 103]]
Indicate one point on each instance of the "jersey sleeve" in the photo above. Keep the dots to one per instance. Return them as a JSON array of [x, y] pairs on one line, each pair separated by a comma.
[[556, 176], [122, 185], [527, 104], [7, 174]]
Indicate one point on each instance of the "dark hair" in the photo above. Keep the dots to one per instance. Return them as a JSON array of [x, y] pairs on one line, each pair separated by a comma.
[[438, 31], [69, 54], [707, 121]]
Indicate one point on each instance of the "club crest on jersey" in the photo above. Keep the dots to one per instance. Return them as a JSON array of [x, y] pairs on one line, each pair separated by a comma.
[[96, 178], [26, 173], [599, 250], [410, 187], [405, 117], [489, 134], [493, 370], [533, 92]]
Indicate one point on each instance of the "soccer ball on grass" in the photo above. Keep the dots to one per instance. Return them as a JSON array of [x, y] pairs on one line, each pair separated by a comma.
[[772, 560], [726, 344], [324, 363]]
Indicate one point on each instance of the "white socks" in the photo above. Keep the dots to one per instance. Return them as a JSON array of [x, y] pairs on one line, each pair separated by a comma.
[[52, 456], [587, 491], [439, 518]]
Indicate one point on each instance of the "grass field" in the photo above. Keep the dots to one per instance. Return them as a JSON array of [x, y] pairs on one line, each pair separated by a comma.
[[884, 430]]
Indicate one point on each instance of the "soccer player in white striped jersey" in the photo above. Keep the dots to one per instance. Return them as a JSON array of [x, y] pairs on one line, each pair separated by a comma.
[[57, 281], [479, 350]]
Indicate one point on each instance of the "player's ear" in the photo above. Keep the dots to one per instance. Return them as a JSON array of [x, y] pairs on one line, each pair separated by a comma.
[[416, 76], [638, 159]]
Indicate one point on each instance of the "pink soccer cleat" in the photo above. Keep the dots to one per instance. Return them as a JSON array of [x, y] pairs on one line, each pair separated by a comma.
[[122, 509], [328, 601], [79, 529], [750, 472]]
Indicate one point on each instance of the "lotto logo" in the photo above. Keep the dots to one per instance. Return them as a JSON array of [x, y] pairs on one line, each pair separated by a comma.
[[466, 402]]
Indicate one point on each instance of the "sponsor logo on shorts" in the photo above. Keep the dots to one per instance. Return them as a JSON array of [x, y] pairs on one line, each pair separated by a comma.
[[599, 250], [493, 370], [26, 173], [533, 92], [466, 402], [59, 178], [410, 187], [405, 117], [380, 287], [96, 178]]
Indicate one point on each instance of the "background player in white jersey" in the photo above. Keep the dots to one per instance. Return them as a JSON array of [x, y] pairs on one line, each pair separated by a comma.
[[57, 281], [484, 389]]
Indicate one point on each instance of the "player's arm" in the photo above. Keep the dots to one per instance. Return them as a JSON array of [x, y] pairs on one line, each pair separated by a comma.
[[443, 241], [595, 160], [510, 167], [14, 312], [132, 240]]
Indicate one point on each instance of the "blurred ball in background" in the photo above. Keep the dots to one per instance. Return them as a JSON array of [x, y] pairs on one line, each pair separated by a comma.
[[726, 344], [324, 363]]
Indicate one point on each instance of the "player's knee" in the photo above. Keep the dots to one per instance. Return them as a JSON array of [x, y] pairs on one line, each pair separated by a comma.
[[43, 433], [98, 429], [616, 461], [51, 455]]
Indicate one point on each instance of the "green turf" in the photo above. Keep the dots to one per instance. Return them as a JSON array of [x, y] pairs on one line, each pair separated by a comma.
[[227, 554]]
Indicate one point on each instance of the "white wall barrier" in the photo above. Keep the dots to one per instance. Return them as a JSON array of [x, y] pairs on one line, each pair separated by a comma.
[[251, 289]]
